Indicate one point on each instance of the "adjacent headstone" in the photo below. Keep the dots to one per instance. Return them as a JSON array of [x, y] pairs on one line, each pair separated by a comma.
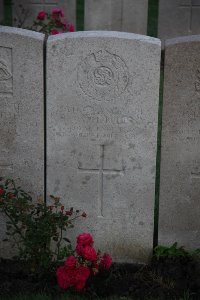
[[1, 10], [102, 106], [180, 158], [119, 15], [25, 11], [178, 18], [21, 112]]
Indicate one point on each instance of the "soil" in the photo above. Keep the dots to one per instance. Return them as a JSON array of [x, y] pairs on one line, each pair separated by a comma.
[[166, 278]]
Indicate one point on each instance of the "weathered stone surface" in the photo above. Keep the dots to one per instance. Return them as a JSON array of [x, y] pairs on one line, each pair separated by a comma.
[[180, 158], [21, 112], [119, 15], [178, 18], [25, 11], [1, 10], [102, 124]]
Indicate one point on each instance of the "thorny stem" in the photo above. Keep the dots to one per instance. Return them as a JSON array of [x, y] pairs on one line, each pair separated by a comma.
[[59, 242]]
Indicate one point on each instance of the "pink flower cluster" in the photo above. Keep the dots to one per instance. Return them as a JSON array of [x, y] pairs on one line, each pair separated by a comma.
[[53, 23], [77, 269]]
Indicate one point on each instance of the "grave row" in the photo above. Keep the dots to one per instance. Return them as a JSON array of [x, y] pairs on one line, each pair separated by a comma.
[[102, 95], [176, 17]]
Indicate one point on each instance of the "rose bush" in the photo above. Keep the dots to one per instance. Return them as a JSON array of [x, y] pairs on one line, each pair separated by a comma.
[[85, 262], [52, 23], [35, 228]]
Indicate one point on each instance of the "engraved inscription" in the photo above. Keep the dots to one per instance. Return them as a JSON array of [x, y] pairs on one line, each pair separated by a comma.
[[98, 122], [5, 73], [6, 78], [195, 173], [101, 171], [6, 167], [103, 75], [197, 82]]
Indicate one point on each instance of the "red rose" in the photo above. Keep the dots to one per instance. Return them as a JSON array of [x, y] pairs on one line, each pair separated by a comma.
[[85, 239], [41, 15], [57, 12], [84, 215], [106, 261], [82, 274], [79, 249], [63, 278], [89, 253], [70, 262], [54, 31], [2, 191], [71, 27]]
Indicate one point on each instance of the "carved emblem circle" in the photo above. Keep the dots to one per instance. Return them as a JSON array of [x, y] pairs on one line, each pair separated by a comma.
[[103, 75]]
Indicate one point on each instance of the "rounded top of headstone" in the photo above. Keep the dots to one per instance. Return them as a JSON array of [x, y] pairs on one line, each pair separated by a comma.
[[22, 32], [106, 34]]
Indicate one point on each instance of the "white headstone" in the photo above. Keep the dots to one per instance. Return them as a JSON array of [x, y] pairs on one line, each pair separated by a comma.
[[21, 112], [180, 158], [119, 15], [25, 11], [178, 18], [102, 125]]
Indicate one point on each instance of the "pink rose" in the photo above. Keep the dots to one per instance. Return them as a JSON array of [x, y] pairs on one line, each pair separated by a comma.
[[63, 278], [106, 261], [58, 12], [89, 253], [41, 15], [70, 262], [85, 239]]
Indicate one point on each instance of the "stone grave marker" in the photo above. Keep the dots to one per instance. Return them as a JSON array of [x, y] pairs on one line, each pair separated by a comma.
[[25, 11], [178, 18], [119, 15], [180, 157], [1, 10], [21, 112], [101, 129]]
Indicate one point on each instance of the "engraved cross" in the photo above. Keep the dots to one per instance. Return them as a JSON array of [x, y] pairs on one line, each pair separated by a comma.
[[6, 166], [193, 4], [195, 174], [101, 171]]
